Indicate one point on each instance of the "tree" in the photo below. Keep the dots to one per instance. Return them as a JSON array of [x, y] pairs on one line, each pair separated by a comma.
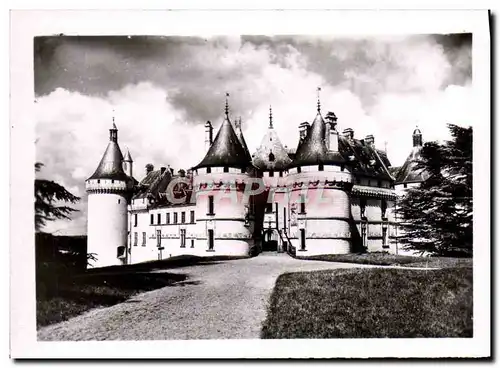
[[436, 217], [47, 195]]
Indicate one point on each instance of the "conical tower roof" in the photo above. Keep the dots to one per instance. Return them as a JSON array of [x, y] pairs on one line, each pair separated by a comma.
[[313, 150], [110, 166], [128, 157], [239, 133], [271, 155], [226, 149]]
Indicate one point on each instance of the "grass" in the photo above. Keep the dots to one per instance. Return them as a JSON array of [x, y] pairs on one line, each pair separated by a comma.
[[371, 303], [386, 259], [62, 294]]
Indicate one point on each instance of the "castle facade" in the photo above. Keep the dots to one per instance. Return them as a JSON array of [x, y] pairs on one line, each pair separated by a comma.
[[333, 194]]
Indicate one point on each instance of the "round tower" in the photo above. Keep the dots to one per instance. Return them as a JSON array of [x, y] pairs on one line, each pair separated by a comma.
[[108, 190], [319, 182], [224, 214]]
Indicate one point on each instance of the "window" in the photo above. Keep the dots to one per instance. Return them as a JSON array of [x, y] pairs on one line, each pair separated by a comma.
[[383, 207], [159, 218], [342, 167], [135, 220], [144, 239], [321, 167], [211, 205], [210, 239], [209, 170], [152, 217], [118, 201], [362, 206], [168, 218], [302, 203], [192, 217], [404, 186], [98, 181], [302, 239], [281, 174], [183, 238], [112, 181], [175, 217], [226, 169], [158, 238], [183, 217], [192, 243], [271, 157], [271, 173], [299, 170], [135, 238]]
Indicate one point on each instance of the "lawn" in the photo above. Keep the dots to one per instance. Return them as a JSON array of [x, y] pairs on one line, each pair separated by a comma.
[[62, 293], [371, 303], [386, 259]]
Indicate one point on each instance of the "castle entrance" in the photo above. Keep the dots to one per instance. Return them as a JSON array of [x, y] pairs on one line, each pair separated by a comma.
[[270, 243]]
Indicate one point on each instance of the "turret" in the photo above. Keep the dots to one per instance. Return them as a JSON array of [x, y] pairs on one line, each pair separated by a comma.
[[417, 138], [127, 164], [221, 206], [320, 182], [108, 192]]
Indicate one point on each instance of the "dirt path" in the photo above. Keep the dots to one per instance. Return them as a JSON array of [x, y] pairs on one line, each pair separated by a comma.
[[227, 300]]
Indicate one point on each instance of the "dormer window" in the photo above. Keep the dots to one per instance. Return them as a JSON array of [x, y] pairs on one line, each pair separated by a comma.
[[271, 157]]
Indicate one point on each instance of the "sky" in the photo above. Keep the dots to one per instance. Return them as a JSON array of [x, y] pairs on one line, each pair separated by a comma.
[[162, 90]]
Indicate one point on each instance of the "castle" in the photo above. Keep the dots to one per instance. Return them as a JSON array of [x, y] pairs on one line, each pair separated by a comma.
[[333, 194]]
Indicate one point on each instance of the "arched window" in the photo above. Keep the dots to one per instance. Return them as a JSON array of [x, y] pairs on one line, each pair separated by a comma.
[[271, 157]]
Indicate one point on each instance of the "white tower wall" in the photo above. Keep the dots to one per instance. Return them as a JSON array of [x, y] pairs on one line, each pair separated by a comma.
[[107, 227]]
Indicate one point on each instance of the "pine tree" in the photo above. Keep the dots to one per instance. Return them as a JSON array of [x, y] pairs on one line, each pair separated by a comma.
[[437, 215], [47, 194]]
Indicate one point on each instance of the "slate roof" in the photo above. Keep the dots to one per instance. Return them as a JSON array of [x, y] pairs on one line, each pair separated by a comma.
[[271, 144], [226, 149], [110, 166], [408, 173], [154, 186], [365, 159], [313, 150]]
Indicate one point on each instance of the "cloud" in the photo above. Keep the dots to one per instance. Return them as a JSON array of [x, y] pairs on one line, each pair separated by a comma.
[[163, 90]]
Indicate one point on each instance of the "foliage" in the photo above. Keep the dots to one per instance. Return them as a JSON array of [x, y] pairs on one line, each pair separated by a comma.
[[47, 195], [437, 215], [361, 303]]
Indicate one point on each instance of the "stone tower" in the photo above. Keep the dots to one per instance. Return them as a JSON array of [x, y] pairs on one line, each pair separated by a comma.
[[224, 215], [320, 182], [108, 191]]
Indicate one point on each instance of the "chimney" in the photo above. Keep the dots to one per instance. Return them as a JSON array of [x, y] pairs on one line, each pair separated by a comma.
[[149, 168], [332, 137], [370, 140], [348, 133], [209, 130], [303, 129]]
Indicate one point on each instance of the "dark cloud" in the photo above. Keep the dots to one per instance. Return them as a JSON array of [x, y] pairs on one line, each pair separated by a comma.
[[197, 72]]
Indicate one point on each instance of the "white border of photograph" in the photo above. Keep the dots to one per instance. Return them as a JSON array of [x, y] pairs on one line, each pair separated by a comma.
[[27, 24]]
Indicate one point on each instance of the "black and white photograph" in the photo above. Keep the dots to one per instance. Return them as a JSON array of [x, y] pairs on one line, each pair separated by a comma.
[[278, 189]]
